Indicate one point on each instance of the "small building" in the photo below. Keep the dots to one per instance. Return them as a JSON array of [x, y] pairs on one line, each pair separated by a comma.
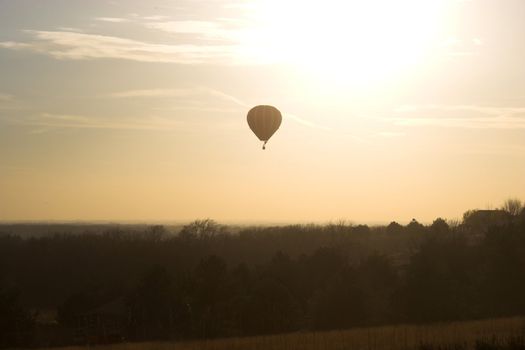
[[104, 324]]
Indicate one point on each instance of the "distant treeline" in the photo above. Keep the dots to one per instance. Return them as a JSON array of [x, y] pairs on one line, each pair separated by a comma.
[[207, 281]]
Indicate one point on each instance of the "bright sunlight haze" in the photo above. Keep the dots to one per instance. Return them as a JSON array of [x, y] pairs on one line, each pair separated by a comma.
[[136, 111]]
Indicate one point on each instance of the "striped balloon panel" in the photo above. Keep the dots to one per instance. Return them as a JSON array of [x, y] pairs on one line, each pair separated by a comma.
[[264, 121]]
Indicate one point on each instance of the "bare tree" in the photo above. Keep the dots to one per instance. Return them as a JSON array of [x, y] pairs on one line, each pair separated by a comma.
[[513, 206], [202, 229]]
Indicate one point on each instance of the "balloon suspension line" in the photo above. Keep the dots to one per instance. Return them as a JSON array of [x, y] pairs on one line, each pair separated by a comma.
[[264, 144]]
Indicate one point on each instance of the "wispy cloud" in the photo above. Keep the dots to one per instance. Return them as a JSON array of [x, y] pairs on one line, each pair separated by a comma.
[[470, 123], [82, 46], [178, 92], [14, 45], [69, 29], [112, 19], [194, 41], [210, 30], [147, 93], [199, 92], [306, 122], [227, 97], [155, 18], [9, 102], [204, 92], [460, 116], [49, 121], [473, 108], [460, 47], [5, 97], [199, 109]]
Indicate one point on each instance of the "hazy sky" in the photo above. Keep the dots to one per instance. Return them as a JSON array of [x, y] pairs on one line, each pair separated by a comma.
[[136, 110]]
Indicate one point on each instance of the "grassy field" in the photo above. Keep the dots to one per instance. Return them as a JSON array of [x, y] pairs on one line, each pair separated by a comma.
[[456, 335]]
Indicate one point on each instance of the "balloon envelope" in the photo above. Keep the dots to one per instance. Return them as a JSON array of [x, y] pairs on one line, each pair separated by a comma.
[[264, 121]]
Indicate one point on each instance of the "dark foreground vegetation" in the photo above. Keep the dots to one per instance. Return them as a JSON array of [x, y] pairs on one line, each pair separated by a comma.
[[207, 281]]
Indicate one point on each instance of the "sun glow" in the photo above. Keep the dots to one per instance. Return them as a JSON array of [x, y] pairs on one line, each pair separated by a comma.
[[362, 40]]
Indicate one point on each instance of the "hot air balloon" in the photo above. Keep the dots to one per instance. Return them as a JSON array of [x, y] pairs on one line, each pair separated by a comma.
[[264, 122]]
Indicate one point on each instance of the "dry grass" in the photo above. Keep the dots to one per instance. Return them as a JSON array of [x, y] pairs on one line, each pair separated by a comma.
[[378, 338]]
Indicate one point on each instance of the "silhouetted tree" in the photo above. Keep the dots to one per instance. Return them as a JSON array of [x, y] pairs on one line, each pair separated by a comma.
[[70, 311], [479, 221], [439, 226], [361, 229], [503, 274], [415, 227], [318, 269], [155, 306], [270, 308], [16, 322], [285, 278], [338, 304], [394, 228], [157, 233], [202, 229], [439, 284], [210, 293], [378, 281]]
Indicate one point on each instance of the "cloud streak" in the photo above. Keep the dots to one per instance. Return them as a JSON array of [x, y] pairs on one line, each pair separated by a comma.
[[14, 45], [306, 122], [49, 121], [223, 30], [205, 92], [473, 108], [469, 123], [195, 98], [5, 97], [491, 117], [112, 19], [82, 46], [178, 93], [217, 41], [9, 102]]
